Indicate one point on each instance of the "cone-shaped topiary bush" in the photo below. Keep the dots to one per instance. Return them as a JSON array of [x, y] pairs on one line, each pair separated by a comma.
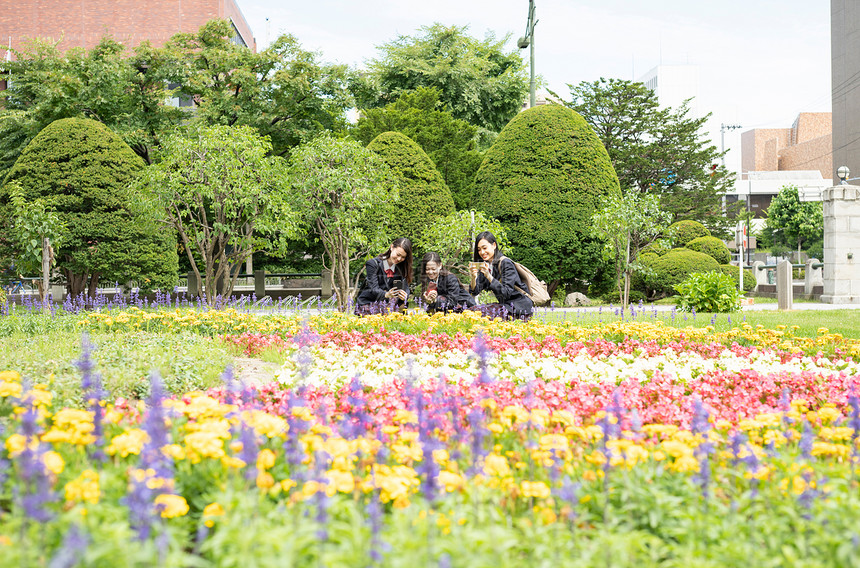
[[543, 180], [424, 197], [672, 268], [84, 171], [711, 246]]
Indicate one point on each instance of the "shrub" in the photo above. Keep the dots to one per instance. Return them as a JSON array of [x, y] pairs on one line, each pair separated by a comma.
[[658, 247], [424, 197], [674, 267], [83, 172], [685, 231], [711, 246], [749, 279], [713, 292], [543, 179]]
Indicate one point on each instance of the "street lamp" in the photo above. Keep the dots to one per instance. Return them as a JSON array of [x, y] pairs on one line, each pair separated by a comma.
[[723, 128], [528, 40], [843, 172]]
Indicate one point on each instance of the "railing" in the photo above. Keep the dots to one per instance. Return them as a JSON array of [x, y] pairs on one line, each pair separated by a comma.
[[813, 275]]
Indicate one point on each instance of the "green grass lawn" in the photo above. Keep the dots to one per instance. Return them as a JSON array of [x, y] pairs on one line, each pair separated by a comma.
[[845, 322]]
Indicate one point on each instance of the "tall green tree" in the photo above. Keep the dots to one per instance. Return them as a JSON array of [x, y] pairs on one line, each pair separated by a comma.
[[424, 197], [449, 142], [221, 191], [656, 151], [481, 81], [283, 91], [628, 223], [81, 170], [348, 194], [793, 222], [543, 180]]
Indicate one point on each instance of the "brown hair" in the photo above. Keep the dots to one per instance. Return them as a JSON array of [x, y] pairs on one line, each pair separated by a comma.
[[406, 245]]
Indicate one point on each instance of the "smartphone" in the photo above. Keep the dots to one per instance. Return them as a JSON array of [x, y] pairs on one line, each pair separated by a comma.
[[431, 286], [397, 283], [478, 264]]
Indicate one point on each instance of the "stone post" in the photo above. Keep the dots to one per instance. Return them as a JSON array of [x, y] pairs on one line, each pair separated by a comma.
[[260, 284], [812, 276], [841, 244], [784, 285], [326, 285], [759, 273], [193, 285]]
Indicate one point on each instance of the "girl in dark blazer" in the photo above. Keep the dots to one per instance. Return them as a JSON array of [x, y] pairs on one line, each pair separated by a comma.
[[490, 270], [387, 279], [440, 289]]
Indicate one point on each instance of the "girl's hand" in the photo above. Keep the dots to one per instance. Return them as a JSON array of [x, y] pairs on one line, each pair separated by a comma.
[[430, 296], [391, 293], [485, 270]]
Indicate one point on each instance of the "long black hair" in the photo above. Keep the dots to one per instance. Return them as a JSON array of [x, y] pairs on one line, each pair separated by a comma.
[[490, 238], [406, 245], [431, 257]]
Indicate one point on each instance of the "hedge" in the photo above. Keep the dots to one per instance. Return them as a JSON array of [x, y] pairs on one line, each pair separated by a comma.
[[685, 231], [711, 246]]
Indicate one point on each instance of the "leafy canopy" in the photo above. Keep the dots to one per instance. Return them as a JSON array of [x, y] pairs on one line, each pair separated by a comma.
[[793, 222], [220, 190], [348, 194], [453, 237], [480, 81], [543, 180], [656, 151], [449, 142]]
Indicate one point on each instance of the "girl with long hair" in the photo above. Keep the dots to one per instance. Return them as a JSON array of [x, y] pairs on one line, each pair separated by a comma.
[[387, 279], [440, 289], [491, 270]]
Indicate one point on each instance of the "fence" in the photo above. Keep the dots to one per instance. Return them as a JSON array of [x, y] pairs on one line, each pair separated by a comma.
[[813, 278]]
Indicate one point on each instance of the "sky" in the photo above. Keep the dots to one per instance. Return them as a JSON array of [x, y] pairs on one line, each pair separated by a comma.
[[761, 62]]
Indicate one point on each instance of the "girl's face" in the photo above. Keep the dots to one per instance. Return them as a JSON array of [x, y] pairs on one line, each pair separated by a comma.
[[397, 255], [432, 269], [486, 250]]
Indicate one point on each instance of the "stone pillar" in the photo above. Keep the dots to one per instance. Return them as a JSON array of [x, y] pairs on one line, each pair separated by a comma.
[[326, 284], [841, 244], [193, 285], [784, 285], [260, 284], [812, 276], [759, 273]]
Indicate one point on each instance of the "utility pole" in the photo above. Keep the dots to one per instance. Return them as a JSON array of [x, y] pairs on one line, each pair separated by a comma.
[[723, 128], [528, 40]]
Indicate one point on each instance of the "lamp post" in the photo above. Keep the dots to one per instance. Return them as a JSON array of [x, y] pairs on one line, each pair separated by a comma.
[[843, 172], [723, 128], [528, 40]]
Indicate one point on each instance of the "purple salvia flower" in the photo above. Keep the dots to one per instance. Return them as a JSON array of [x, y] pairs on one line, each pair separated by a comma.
[[479, 434], [485, 354], [34, 490], [91, 386], [854, 419], [806, 441], [248, 454], [375, 517], [72, 550], [444, 560]]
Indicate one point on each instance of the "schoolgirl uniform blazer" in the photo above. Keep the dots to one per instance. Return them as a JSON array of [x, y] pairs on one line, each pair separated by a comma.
[[376, 283], [505, 277], [450, 294]]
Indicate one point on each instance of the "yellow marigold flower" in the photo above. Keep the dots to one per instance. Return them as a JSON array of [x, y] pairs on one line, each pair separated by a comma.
[[53, 462], [828, 414], [127, 443], [84, 488], [589, 475], [390, 429], [15, 444], [515, 414], [303, 413], [405, 453], [287, 484], [40, 397], [265, 459], [310, 488], [495, 428], [204, 445], [171, 505], [684, 464], [265, 424], [231, 461], [265, 480], [441, 456], [10, 389], [174, 451], [826, 449], [451, 480], [338, 480], [496, 465], [536, 489], [211, 511], [10, 376]]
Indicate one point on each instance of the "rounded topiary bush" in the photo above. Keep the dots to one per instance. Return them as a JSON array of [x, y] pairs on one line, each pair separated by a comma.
[[424, 197], [84, 172], [749, 279], [685, 231], [658, 247], [543, 179], [711, 246], [674, 267]]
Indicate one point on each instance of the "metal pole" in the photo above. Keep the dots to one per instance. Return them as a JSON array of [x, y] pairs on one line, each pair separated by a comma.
[[532, 53]]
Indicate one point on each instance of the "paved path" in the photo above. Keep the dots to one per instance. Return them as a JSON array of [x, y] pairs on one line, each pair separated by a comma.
[[797, 306]]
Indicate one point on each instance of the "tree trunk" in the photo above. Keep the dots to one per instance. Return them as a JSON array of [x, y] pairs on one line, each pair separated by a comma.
[[45, 283], [94, 284]]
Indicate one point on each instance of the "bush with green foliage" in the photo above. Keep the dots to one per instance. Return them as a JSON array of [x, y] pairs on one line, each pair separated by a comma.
[[667, 271], [449, 142], [543, 180], [749, 279], [711, 246], [424, 197], [658, 247], [712, 292], [81, 170], [682, 232], [453, 237]]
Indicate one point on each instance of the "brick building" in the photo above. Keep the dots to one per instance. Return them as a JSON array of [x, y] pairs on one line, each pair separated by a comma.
[[82, 23], [806, 145]]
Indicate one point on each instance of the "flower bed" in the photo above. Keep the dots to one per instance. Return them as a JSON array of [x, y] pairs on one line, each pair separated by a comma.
[[382, 448]]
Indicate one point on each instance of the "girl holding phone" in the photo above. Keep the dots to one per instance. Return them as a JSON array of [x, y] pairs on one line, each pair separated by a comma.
[[387, 279], [490, 270], [442, 290]]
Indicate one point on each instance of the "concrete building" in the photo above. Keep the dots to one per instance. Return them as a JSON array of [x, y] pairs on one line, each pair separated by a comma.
[[674, 84], [82, 23], [807, 145], [845, 82]]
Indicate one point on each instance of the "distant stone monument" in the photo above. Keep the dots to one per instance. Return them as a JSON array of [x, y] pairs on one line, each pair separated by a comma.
[[841, 242]]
